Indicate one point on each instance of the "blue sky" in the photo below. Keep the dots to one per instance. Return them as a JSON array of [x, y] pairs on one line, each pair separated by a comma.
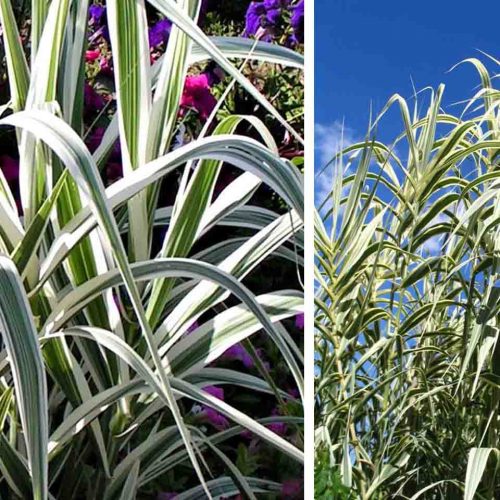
[[366, 51]]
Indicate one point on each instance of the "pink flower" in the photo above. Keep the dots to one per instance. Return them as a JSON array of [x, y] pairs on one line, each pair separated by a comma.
[[92, 55], [299, 321], [104, 66], [292, 488], [197, 95]]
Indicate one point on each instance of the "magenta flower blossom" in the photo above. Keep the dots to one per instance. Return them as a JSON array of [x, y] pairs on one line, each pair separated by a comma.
[[105, 67], [92, 55], [297, 22], [292, 488], [197, 95], [160, 32], [299, 321], [10, 168]]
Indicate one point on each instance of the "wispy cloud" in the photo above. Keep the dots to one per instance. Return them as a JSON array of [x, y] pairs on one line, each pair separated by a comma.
[[329, 139]]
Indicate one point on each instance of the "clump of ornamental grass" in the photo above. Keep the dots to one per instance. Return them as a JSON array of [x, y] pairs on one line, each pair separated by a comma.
[[407, 305], [136, 346]]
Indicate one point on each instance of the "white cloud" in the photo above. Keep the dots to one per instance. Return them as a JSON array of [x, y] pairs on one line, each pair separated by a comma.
[[329, 139]]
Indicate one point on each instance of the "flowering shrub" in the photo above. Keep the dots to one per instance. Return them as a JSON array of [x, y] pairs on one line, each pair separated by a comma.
[[151, 220]]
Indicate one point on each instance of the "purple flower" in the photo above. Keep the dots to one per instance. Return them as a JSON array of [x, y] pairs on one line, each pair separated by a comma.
[[292, 488], [192, 327], [104, 31], [264, 16], [246, 434], [10, 168], [253, 17], [114, 171], [279, 428], [206, 6], [159, 32], [260, 354], [216, 392], [219, 421], [297, 21], [94, 140], [299, 321], [214, 74], [276, 4], [93, 100], [96, 14], [273, 10], [239, 353], [169, 495]]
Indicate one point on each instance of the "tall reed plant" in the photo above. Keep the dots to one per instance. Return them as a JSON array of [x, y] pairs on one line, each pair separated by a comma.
[[407, 305]]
